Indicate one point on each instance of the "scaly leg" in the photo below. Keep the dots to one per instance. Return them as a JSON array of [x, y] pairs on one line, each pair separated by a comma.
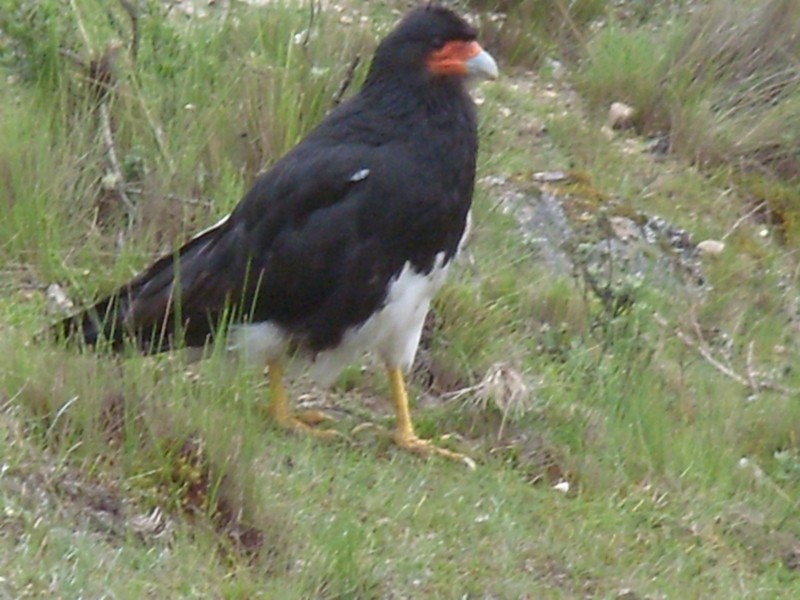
[[404, 435], [280, 412]]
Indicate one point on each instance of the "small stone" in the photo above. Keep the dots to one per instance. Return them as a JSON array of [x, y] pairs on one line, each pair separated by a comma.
[[607, 132], [493, 180], [620, 115], [535, 127], [562, 486], [549, 176], [711, 248], [556, 68], [624, 228], [658, 144], [58, 299]]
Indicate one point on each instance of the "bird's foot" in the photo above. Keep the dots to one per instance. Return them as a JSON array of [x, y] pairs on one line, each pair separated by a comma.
[[411, 443], [305, 422], [361, 427], [300, 424], [312, 418]]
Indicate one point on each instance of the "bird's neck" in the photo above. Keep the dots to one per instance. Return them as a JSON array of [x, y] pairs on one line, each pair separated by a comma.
[[400, 96], [437, 118], [422, 111]]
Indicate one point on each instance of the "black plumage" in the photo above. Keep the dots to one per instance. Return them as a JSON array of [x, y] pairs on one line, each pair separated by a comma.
[[380, 187]]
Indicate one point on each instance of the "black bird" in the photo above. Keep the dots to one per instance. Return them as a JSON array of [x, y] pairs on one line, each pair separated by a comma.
[[340, 246]]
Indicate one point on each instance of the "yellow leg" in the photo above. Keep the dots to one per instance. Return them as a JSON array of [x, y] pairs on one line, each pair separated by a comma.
[[280, 412], [404, 427], [404, 435], [279, 402]]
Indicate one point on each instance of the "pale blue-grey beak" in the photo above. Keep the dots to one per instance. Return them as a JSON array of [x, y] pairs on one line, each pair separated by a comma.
[[482, 66]]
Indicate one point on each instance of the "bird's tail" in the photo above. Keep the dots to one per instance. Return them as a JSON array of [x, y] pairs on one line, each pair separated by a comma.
[[101, 323], [142, 312]]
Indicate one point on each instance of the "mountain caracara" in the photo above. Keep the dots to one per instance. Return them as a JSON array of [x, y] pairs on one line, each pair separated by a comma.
[[340, 246]]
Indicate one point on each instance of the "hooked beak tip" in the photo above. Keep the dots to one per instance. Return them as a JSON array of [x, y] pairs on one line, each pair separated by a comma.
[[482, 65]]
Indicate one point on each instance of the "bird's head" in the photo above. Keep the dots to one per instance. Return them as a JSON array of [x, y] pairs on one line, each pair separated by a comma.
[[432, 42]]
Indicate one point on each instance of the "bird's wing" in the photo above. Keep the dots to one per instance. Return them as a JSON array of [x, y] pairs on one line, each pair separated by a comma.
[[280, 254]]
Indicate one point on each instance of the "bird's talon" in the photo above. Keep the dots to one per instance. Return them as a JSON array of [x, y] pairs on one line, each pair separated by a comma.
[[313, 417], [361, 427], [296, 425], [471, 465], [422, 447]]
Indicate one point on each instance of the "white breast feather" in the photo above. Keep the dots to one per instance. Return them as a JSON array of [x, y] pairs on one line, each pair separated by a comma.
[[392, 333]]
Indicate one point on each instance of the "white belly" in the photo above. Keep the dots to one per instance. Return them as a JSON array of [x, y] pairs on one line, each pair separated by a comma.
[[392, 333]]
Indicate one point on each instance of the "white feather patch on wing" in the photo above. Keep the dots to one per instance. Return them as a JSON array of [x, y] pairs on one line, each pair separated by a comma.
[[211, 228], [359, 175]]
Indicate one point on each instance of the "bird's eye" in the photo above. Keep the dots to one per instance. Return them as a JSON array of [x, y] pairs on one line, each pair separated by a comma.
[[437, 43]]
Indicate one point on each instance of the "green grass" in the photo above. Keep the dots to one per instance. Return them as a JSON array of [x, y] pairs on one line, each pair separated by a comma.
[[525, 33], [722, 82], [151, 477]]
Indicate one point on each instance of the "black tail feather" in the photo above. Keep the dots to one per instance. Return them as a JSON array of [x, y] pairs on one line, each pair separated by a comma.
[[152, 312], [102, 323]]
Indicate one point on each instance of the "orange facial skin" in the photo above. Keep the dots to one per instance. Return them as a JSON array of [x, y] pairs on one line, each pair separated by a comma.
[[451, 58]]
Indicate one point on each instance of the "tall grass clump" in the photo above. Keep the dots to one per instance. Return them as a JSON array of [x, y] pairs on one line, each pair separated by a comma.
[[193, 110], [31, 45], [748, 57], [723, 83]]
